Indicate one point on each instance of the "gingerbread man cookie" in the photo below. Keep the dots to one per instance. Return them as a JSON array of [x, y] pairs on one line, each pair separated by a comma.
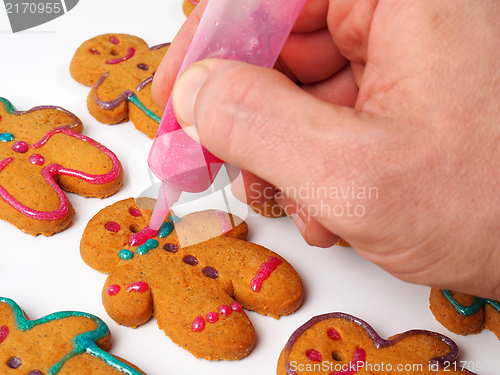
[[43, 153], [120, 69], [195, 279], [62, 343], [341, 344], [464, 314]]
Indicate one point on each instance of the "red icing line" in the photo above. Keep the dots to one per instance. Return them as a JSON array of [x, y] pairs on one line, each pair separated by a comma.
[[55, 169], [264, 272], [130, 54], [354, 365], [198, 324], [4, 332], [140, 237], [138, 286], [113, 289]]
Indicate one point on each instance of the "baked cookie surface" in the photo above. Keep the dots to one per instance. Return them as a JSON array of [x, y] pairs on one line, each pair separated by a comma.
[[341, 344], [120, 69], [194, 279], [42, 153], [62, 343], [464, 314]]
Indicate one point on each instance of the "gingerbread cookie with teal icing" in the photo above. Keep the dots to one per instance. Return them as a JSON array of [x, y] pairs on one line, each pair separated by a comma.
[[120, 69], [62, 343], [195, 276], [464, 314], [42, 153], [341, 344]]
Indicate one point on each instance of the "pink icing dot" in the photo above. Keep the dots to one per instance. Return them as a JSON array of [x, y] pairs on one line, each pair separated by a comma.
[[333, 334], [114, 40], [138, 286], [4, 332], [198, 324], [236, 307], [94, 51], [113, 289], [134, 211], [139, 238], [264, 272], [225, 310], [37, 159], [314, 355], [212, 317], [112, 226], [20, 146]]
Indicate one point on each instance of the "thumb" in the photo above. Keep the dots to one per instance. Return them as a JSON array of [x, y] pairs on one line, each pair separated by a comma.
[[259, 120]]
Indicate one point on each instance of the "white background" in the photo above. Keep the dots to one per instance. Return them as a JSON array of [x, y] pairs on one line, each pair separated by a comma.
[[45, 275]]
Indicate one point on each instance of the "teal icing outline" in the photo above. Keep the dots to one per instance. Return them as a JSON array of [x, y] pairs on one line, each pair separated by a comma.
[[476, 305], [84, 342], [133, 99], [9, 108]]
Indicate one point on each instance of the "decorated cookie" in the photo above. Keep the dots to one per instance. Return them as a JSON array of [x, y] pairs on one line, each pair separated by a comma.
[[464, 314], [43, 153], [120, 69], [62, 343], [194, 275], [188, 6], [341, 344]]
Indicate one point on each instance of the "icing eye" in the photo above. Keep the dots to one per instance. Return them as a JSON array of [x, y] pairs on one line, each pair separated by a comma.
[[14, 362], [314, 355], [333, 334], [114, 40], [337, 356], [134, 211], [112, 226], [94, 51]]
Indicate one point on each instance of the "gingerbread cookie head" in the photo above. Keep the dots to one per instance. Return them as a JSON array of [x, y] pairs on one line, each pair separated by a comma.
[[43, 153], [67, 342], [340, 344], [464, 314], [120, 69], [194, 276]]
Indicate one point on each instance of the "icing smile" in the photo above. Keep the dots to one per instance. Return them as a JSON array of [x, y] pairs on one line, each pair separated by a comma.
[[129, 55]]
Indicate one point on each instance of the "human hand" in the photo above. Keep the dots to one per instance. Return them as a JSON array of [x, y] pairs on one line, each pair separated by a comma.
[[422, 135]]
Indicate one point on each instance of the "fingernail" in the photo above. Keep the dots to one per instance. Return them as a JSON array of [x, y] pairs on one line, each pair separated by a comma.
[[299, 223], [192, 132], [185, 91]]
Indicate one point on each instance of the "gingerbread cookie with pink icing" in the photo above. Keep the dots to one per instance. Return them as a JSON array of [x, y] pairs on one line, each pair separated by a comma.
[[42, 153], [195, 276], [62, 343], [120, 69], [465, 314], [341, 344]]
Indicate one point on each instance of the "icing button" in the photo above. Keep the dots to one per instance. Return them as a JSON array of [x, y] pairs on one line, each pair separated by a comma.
[[37, 159], [191, 260], [20, 146], [126, 254], [212, 317], [6, 137], [165, 229], [225, 310], [170, 247], [198, 324], [210, 272], [14, 362], [236, 307]]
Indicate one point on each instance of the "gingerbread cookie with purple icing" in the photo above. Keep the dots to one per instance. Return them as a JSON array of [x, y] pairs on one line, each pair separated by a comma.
[[341, 344], [42, 153], [120, 69], [195, 275], [464, 314], [62, 343]]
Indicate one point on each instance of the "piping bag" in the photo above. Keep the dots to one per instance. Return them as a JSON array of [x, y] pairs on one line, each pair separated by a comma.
[[251, 31]]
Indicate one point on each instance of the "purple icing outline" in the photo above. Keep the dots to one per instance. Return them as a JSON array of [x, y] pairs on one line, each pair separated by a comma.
[[112, 104], [378, 342], [76, 124], [144, 83]]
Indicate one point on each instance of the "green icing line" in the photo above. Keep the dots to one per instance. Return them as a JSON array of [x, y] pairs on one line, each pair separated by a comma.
[[84, 342], [476, 305], [133, 99], [8, 106]]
